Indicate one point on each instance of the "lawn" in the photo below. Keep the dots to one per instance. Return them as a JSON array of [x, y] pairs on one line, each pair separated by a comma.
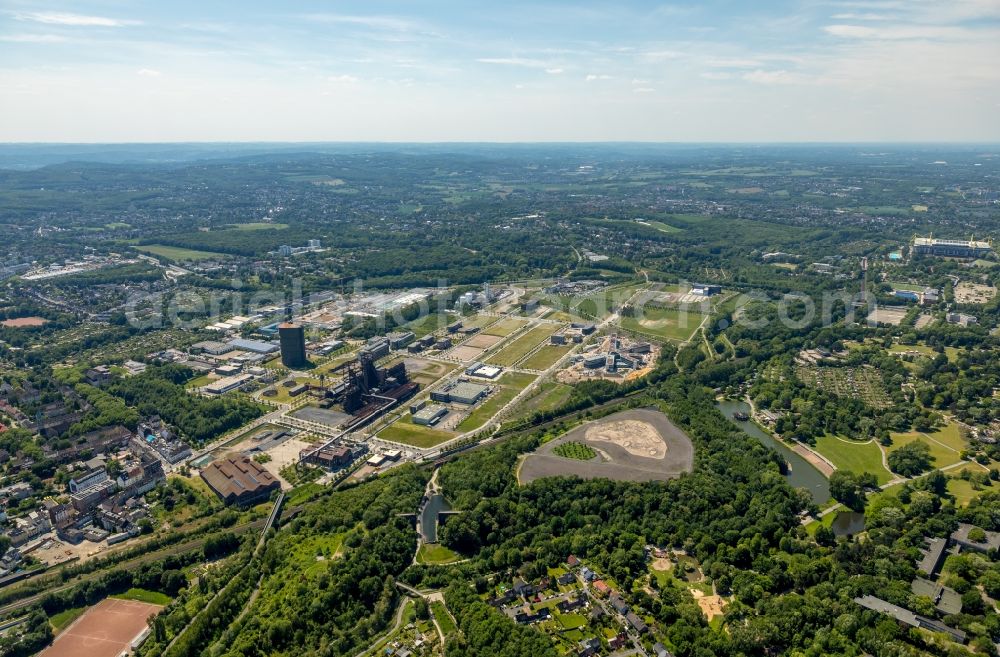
[[142, 595], [545, 357], [511, 384], [504, 327], [571, 621], [941, 453], [520, 347], [443, 618], [667, 323], [64, 618], [854, 456], [964, 491], [548, 396], [177, 253], [435, 554], [575, 450], [404, 431]]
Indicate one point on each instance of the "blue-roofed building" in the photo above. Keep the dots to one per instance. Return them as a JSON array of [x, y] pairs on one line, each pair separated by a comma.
[[256, 346]]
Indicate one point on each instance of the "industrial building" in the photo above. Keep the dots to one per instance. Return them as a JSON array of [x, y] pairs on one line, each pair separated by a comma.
[[224, 385], [484, 371], [706, 290], [430, 415], [238, 480], [400, 339], [367, 390], [293, 345], [461, 392], [376, 347], [212, 347], [331, 457], [951, 248], [255, 346]]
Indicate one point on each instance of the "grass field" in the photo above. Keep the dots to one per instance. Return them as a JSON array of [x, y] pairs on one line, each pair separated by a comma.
[[945, 445], [520, 347], [443, 618], [666, 228], [571, 621], [177, 253], [964, 491], [854, 456], [142, 595], [404, 431], [545, 357], [435, 554], [504, 327], [575, 450], [429, 324], [666, 323], [64, 618], [548, 395], [511, 384]]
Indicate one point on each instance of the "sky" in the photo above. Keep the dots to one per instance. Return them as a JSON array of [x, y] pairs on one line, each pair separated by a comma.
[[500, 70]]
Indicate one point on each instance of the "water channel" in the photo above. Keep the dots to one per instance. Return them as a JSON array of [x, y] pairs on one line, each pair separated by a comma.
[[801, 473]]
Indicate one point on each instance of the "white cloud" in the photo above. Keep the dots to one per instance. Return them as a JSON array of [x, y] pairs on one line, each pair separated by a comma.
[[897, 32], [516, 61], [343, 79], [592, 77], [851, 16], [73, 20], [732, 63], [553, 71], [772, 77], [717, 75], [643, 90], [33, 38], [639, 81], [659, 55], [148, 73], [386, 23]]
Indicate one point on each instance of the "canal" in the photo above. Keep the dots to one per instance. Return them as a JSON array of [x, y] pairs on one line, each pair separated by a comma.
[[801, 473], [429, 516]]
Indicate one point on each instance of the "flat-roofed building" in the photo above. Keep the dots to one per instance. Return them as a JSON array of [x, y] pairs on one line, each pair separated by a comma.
[[240, 481], [429, 415], [256, 346]]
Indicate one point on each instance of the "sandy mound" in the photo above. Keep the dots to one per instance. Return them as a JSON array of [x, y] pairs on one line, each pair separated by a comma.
[[635, 437], [662, 565]]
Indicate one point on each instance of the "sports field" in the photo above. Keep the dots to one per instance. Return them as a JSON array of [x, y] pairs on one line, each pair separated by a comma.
[[105, 630], [667, 323]]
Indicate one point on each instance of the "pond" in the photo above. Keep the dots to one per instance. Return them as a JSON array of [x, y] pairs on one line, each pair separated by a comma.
[[848, 523], [801, 474]]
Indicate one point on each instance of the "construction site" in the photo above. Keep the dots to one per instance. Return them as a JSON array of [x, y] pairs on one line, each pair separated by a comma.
[[615, 358]]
